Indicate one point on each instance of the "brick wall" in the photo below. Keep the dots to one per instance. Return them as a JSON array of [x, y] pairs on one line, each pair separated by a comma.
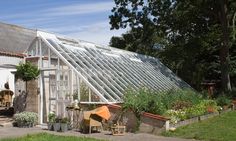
[[32, 102], [152, 125]]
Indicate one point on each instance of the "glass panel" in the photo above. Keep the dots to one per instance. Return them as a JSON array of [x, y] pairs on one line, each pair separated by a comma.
[[109, 71], [32, 50]]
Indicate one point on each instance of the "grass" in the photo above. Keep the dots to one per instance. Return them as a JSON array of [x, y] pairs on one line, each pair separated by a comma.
[[49, 137], [221, 128]]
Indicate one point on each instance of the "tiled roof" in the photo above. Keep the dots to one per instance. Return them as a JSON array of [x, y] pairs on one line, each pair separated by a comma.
[[15, 39], [19, 55]]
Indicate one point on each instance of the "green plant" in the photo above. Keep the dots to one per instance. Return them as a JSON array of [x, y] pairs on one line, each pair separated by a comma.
[[26, 119], [223, 100], [201, 108], [27, 71], [176, 115], [51, 117], [65, 120], [159, 102], [177, 105], [193, 111], [58, 119]]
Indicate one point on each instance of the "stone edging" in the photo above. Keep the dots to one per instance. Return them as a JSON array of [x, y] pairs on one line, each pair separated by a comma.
[[197, 119]]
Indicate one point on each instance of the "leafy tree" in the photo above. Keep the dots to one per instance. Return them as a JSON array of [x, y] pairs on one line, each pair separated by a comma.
[[196, 34], [138, 40]]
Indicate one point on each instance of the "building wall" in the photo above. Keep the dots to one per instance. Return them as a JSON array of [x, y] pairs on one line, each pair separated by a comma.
[[7, 66], [7, 76], [9, 61]]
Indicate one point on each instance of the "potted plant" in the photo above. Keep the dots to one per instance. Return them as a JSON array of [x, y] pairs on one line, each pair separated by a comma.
[[26, 119], [64, 124], [51, 120], [56, 124]]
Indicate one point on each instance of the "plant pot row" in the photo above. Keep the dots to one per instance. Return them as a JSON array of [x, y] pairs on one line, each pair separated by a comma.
[[58, 127]]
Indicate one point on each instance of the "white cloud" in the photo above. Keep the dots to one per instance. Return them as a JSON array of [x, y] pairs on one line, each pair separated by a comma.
[[79, 9], [70, 20], [99, 32]]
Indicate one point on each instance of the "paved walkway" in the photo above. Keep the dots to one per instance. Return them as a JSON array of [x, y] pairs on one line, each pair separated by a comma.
[[10, 132]]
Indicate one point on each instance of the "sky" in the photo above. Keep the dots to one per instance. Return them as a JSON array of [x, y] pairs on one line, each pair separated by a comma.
[[82, 19]]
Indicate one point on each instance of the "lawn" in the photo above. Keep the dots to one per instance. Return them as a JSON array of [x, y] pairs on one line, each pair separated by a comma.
[[220, 128], [49, 137]]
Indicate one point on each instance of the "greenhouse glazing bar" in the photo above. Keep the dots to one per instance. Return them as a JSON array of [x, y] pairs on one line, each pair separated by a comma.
[[107, 71]]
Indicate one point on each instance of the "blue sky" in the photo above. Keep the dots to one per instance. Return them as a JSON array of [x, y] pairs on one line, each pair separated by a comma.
[[83, 19]]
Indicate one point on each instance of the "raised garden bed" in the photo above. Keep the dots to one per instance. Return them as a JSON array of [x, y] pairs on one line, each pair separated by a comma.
[[198, 118]]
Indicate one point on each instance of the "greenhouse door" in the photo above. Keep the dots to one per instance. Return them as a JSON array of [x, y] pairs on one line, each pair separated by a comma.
[[49, 93]]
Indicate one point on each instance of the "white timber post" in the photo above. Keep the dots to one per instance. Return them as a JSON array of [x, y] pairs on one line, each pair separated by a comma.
[[41, 81]]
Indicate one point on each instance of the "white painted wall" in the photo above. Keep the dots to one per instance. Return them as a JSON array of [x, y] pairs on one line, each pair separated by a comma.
[[7, 76], [8, 60]]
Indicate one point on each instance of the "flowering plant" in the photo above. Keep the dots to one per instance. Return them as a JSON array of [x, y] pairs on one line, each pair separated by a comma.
[[176, 115], [26, 119]]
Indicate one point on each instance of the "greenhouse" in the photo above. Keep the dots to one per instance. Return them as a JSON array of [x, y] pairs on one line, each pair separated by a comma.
[[72, 69]]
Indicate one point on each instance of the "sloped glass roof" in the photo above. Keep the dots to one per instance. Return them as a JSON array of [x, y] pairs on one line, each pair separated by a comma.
[[108, 71]]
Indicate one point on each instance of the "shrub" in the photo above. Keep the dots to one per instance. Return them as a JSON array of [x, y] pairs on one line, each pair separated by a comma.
[[143, 100], [65, 120], [193, 111], [178, 105], [26, 119], [223, 100], [176, 115], [159, 102], [201, 108]]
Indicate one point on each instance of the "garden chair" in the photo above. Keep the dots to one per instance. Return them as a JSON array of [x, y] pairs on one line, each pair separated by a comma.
[[92, 120], [95, 117]]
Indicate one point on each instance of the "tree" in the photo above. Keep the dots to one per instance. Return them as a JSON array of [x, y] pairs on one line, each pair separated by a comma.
[[27, 72], [138, 40], [193, 32]]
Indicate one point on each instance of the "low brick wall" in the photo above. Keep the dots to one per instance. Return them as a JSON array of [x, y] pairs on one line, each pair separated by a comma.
[[153, 124]]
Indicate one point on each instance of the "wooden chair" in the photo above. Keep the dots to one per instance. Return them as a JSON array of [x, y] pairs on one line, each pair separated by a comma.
[[92, 120]]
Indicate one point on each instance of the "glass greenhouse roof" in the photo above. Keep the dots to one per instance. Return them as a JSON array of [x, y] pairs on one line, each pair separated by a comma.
[[108, 71]]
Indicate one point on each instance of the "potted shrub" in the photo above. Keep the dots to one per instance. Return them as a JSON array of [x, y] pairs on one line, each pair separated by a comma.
[[51, 120], [26, 119], [56, 124], [64, 124]]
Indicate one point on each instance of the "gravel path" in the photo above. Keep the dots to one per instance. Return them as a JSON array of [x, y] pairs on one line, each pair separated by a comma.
[[11, 132]]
